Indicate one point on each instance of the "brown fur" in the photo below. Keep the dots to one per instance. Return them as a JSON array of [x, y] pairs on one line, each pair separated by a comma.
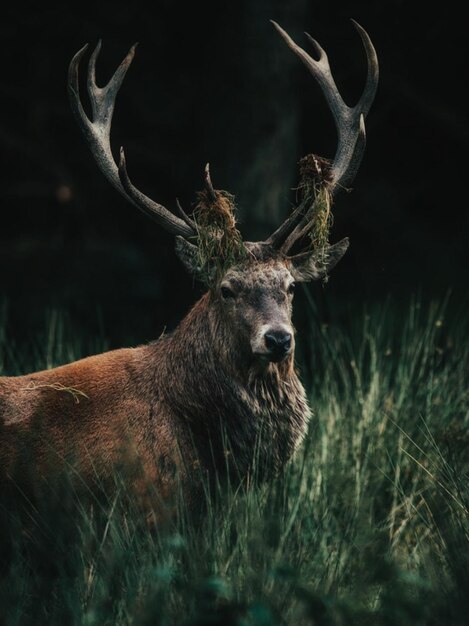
[[196, 402]]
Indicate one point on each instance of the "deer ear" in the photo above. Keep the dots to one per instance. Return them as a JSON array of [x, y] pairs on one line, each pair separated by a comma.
[[310, 266], [188, 254]]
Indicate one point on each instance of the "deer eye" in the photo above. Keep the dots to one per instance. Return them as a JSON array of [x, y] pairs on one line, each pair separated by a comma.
[[291, 288], [227, 293]]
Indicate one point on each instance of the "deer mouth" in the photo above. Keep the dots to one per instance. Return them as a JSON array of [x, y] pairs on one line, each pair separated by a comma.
[[273, 357], [279, 358]]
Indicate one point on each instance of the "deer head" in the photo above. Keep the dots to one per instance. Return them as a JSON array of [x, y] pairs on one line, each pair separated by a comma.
[[251, 283]]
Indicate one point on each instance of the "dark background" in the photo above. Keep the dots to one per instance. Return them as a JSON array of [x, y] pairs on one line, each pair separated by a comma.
[[214, 82]]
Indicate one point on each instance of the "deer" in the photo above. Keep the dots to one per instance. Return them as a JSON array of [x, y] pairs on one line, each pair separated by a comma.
[[223, 387]]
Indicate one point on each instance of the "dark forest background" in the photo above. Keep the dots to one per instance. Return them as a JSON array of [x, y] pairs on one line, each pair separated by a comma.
[[214, 82]]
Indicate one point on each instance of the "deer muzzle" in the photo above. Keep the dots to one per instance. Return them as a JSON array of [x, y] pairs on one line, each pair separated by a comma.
[[273, 343]]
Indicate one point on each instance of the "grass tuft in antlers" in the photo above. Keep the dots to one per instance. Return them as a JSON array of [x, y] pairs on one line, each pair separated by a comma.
[[219, 241], [317, 199]]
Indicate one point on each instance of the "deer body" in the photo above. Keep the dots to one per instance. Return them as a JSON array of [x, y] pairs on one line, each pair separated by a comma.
[[221, 393], [185, 401]]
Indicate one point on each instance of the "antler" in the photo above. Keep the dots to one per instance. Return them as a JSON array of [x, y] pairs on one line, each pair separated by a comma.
[[97, 133], [350, 124]]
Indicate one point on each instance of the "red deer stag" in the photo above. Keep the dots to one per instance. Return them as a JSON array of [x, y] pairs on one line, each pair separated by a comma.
[[225, 379]]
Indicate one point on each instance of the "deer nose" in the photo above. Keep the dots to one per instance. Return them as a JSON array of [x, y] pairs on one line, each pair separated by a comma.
[[278, 342]]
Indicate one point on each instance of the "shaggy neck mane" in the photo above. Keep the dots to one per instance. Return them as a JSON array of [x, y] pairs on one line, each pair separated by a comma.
[[213, 387]]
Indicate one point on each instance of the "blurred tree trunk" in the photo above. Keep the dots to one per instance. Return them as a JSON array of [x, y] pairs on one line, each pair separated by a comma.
[[264, 161]]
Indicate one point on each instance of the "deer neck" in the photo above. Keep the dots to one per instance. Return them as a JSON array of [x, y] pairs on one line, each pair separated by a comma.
[[213, 388]]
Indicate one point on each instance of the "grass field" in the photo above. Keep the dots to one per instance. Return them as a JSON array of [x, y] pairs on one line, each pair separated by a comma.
[[369, 524]]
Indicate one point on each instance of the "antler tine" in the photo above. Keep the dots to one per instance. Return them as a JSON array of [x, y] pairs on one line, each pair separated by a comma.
[[278, 237], [156, 211], [73, 87], [321, 71], [349, 123], [369, 93], [208, 184], [190, 222], [98, 130]]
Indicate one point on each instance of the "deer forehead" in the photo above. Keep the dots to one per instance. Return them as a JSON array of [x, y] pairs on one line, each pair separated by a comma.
[[266, 276]]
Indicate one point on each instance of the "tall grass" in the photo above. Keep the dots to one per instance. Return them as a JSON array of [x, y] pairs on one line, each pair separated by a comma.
[[368, 525]]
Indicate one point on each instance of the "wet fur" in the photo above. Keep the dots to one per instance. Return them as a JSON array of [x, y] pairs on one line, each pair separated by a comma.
[[192, 404]]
